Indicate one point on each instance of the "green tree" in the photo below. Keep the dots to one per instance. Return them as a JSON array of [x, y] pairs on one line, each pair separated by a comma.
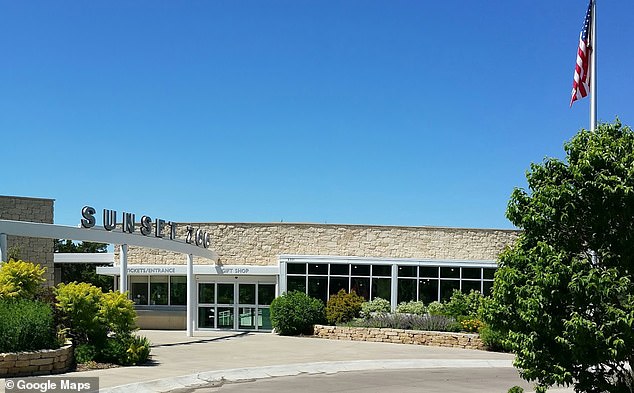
[[83, 272], [564, 292]]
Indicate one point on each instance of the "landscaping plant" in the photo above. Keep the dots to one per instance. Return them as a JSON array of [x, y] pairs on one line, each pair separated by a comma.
[[295, 313], [26, 325], [412, 307], [375, 306], [101, 321], [343, 307], [20, 279]]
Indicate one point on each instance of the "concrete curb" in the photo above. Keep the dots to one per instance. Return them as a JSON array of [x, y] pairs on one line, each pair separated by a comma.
[[237, 375]]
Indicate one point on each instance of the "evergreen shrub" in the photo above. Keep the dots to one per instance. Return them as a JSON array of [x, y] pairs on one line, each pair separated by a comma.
[[343, 307]]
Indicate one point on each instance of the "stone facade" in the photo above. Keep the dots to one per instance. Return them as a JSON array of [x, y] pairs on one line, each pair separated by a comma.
[[261, 244], [34, 250], [400, 336], [45, 361]]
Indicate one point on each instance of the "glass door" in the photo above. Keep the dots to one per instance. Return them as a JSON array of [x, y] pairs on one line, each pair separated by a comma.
[[225, 315], [235, 306], [246, 306]]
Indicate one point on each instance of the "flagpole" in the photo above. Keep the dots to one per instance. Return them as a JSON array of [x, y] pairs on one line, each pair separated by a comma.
[[593, 69]]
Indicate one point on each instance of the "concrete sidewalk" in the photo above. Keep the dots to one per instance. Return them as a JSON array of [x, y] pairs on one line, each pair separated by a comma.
[[188, 362]]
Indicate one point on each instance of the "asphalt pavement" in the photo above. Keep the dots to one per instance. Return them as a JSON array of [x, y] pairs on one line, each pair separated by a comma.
[[224, 361]]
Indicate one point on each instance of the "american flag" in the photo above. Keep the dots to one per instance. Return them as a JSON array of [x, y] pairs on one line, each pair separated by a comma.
[[581, 82]]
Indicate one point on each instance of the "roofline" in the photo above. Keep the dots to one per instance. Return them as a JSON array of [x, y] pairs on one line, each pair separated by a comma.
[[27, 198], [348, 225]]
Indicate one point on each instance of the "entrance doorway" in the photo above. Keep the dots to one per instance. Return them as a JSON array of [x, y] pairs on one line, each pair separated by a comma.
[[235, 305]]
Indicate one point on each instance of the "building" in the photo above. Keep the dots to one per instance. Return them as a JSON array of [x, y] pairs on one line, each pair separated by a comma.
[[259, 261], [255, 262], [38, 210]]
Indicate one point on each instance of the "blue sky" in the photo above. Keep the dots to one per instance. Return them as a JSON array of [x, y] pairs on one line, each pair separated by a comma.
[[362, 112]]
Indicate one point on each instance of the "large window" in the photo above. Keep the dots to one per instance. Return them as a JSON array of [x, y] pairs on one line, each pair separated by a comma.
[[158, 290], [139, 290], [178, 290], [424, 282], [322, 280], [439, 282]]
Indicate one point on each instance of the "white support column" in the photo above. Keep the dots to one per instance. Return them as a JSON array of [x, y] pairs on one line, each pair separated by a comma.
[[394, 288], [4, 252], [190, 295], [282, 286], [123, 265]]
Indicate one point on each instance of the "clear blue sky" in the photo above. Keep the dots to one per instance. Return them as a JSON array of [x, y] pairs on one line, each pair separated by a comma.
[[362, 112]]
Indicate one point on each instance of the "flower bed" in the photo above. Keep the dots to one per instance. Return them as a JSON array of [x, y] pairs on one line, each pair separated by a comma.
[[401, 336], [42, 362]]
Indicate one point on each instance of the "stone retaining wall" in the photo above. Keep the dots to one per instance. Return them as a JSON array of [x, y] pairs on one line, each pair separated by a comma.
[[45, 361], [400, 336]]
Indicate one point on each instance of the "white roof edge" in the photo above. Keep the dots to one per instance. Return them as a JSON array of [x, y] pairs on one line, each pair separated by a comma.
[[52, 231], [89, 257], [405, 261]]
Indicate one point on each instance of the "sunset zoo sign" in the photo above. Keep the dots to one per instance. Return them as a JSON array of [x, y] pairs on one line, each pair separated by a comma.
[[157, 234]]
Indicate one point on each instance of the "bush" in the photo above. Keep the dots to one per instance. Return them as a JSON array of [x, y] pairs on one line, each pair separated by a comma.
[[375, 306], [436, 308], [26, 325], [117, 312], [494, 340], [126, 350], [85, 353], [412, 307], [471, 325], [295, 313], [439, 323], [80, 306], [516, 389], [343, 307], [20, 280], [464, 305]]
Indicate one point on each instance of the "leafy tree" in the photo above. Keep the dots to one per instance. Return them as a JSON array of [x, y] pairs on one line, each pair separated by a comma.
[[83, 272], [72, 247], [564, 292]]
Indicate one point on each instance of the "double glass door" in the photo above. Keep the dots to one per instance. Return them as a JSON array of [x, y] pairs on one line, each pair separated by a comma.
[[235, 306]]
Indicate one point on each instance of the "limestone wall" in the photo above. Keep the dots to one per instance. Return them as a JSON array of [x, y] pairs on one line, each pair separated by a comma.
[[30, 249], [42, 362], [400, 336], [261, 244]]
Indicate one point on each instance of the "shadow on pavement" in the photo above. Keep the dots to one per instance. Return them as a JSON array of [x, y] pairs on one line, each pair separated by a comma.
[[207, 340]]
